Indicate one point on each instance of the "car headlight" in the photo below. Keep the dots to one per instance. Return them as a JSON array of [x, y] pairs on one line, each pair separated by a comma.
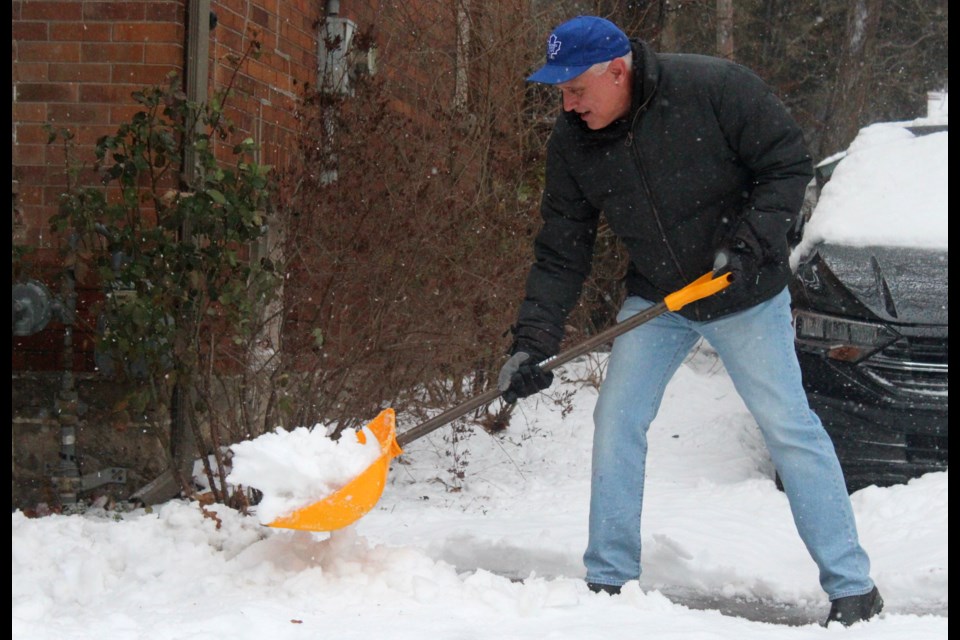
[[839, 338]]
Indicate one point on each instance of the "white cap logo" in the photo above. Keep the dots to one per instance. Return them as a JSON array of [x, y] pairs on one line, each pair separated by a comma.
[[553, 46]]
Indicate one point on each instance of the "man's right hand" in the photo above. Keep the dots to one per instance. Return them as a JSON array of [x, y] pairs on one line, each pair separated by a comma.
[[521, 376]]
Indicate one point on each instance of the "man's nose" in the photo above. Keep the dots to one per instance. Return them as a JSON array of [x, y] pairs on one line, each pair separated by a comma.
[[569, 103]]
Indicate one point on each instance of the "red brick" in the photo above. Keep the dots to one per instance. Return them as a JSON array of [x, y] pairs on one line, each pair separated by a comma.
[[90, 134], [83, 72], [292, 38], [30, 133], [260, 16], [258, 71], [29, 153], [171, 54], [120, 114], [29, 175], [29, 112], [29, 30], [112, 52], [113, 11], [31, 194], [32, 358], [143, 74], [229, 39], [54, 154], [108, 93], [242, 84], [31, 72], [80, 31], [164, 12], [277, 62], [48, 52], [147, 32], [47, 92], [51, 11], [54, 157], [74, 113], [229, 19]]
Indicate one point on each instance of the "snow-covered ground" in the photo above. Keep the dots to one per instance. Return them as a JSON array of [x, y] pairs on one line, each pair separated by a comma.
[[441, 558]]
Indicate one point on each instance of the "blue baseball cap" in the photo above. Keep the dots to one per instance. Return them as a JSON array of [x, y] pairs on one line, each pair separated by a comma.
[[577, 45]]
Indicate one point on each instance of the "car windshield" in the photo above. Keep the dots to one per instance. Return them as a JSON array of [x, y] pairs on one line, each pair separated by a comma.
[[888, 189]]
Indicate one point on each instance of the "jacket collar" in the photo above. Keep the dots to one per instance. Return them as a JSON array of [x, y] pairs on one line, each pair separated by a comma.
[[646, 76]]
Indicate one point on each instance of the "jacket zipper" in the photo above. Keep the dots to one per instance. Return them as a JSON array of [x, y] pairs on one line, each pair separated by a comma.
[[649, 192]]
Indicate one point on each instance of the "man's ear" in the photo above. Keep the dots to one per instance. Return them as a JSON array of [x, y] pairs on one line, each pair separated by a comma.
[[619, 70]]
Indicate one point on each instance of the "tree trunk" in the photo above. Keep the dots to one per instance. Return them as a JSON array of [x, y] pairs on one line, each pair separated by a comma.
[[725, 29], [668, 26], [463, 58], [773, 48], [846, 103]]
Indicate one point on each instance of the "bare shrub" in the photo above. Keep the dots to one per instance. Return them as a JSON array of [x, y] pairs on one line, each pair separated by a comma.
[[408, 225]]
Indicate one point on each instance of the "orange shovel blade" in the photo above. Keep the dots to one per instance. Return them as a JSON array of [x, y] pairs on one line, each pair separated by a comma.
[[352, 501]]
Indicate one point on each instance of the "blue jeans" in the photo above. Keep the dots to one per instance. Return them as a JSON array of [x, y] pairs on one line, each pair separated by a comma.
[[756, 346]]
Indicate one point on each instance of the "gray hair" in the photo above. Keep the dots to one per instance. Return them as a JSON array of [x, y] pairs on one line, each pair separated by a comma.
[[600, 67]]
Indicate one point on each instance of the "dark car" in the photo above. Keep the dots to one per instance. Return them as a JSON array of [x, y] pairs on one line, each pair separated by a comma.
[[870, 310]]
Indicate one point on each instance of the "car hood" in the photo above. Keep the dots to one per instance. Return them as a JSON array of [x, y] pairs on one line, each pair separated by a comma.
[[898, 284]]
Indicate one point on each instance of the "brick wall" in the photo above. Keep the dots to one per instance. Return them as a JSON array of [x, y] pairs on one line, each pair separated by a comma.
[[267, 88], [75, 64]]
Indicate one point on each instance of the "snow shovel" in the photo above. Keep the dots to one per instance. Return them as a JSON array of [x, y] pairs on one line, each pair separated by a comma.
[[352, 501]]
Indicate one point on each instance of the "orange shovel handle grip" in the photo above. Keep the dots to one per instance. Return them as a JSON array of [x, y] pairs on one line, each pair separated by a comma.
[[704, 286]]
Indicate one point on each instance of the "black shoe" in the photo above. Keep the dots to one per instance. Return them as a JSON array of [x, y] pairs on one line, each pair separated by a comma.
[[606, 588], [852, 609]]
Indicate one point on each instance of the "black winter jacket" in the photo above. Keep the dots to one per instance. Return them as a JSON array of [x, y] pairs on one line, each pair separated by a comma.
[[707, 147]]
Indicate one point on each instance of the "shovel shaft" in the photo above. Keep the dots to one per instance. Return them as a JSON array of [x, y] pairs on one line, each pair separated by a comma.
[[449, 415], [702, 287], [550, 363]]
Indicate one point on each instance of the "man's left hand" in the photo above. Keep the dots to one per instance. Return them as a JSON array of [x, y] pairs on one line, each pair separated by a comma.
[[741, 266], [521, 376], [740, 257]]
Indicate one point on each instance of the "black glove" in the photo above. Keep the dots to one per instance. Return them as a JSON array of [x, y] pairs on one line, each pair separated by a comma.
[[740, 257], [521, 376]]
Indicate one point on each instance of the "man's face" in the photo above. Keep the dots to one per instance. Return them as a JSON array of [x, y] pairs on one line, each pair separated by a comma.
[[599, 99]]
